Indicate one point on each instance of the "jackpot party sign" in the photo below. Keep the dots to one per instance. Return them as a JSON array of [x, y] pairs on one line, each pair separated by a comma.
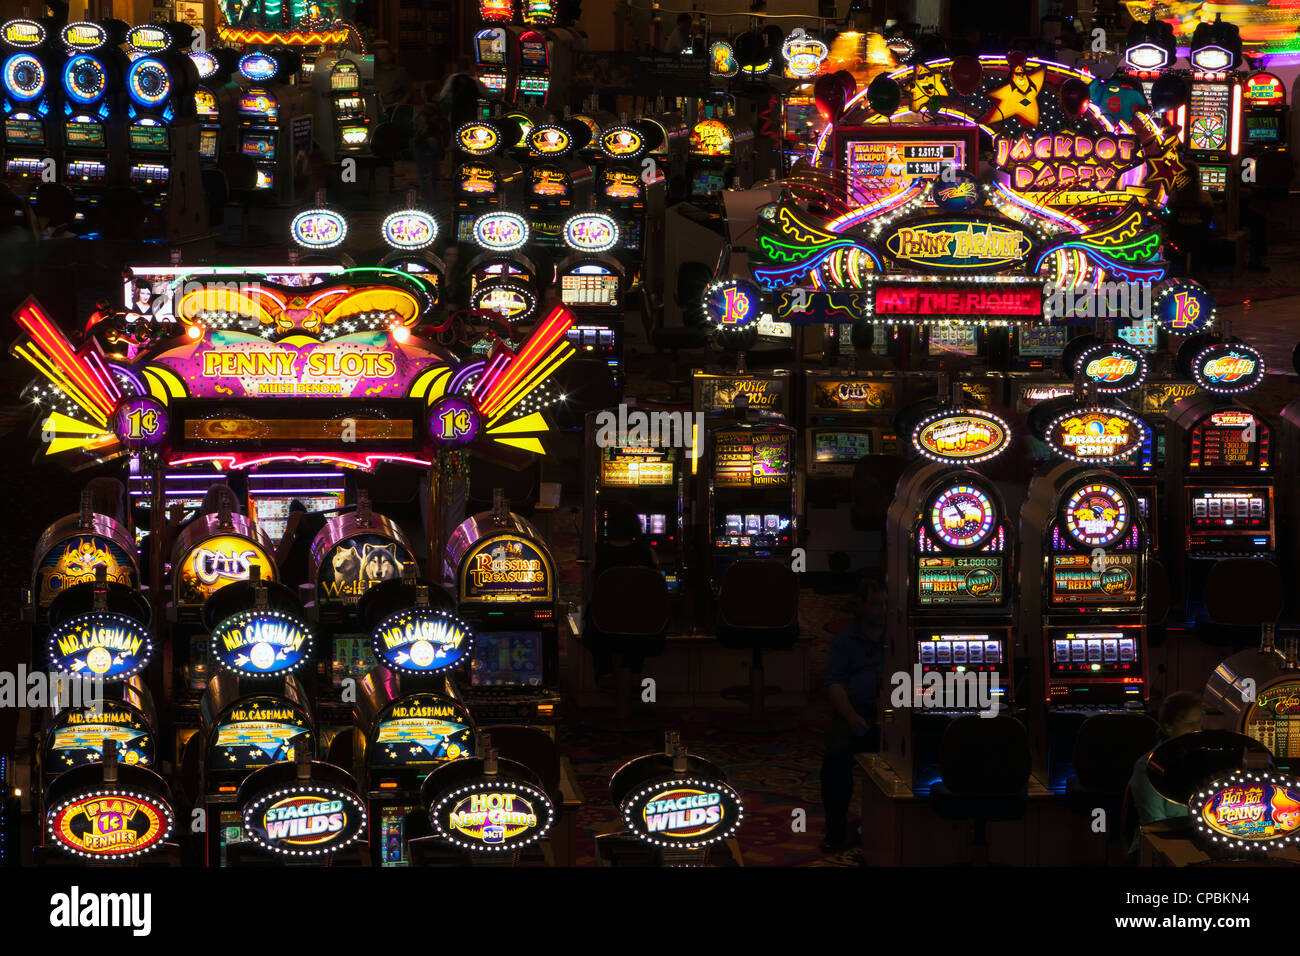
[[1067, 161], [683, 812], [1228, 368], [306, 820], [961, 437], [100, 644], [76, 560], [1249, 811], [261, 643], [733, 303], [506, 568], [110, 824], [1114, 368], [422, 640], [356, 564], [958, 245], [218, 561], [492, 815], [1096, 435]]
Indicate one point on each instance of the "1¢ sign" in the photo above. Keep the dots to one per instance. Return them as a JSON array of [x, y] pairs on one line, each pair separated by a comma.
[[453, 422]]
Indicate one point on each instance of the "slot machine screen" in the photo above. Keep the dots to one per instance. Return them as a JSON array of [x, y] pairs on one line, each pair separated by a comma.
[[506, 659], [637, 467], [490, 48], [1074, 581], [769, 328], [345, 77], [493, 82], [1209, 111], [745, 459], [621, 186], [353, 658], [532, 54], [1094, 653], [271, 512], [85, 135], [550, 182], [265, 179], [1042, 342], [876, 168], [477, 180], [707, 182], [24, 132], [1273, 719], [232, 830], [393, 824], [960, 340], [587, 288], [840, 447], [208, 143], [149, 138], [1213, 178], [962, 580], [1230, 512], [1142, 334], [961, 652], [1219, 442], [1263, 129], [258, 145]]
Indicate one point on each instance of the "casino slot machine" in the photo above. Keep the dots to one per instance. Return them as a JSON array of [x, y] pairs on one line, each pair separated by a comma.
[[495, 67], [484, 177], [504, 582], [216, 104], [721, 156], [1258, 692], [595, 120], [1211, 121], [346, 107], [673, 139], [638, 474], [559, 183], [748, 492], [31, 94], [1083, 570], [634, 197], [1220, 467], [503, 295], [405, 734], [1036, 350], [532, 56], [595, 287], [183, 488], [525, 119], [271, 123], [162, 134], [1266, 125], [243, 730], [951, 580], [272, 490], [410, 233], [93, 108]]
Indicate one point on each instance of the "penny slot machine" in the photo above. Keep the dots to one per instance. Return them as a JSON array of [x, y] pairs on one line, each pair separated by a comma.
[[269, 130], [346, 110], [645, 478], [594, 286], [92, 106], [504, 581], [1211, 121], [494, 67], [533, 64], [27, 75], [1258, 692], [721, 154], [74, 736], [216, 104], [484, 177], [751, 495], [560, 184], [1083, 568], [951, 581]]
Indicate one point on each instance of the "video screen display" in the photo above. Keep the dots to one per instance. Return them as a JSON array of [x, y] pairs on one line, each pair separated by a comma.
[[582, 289], [1094, 653], [877, 168], [258, 145], [653, 525], [532, 54], [506, 659], [248, 744], [958, 339], [1230, 510], [1213, 178], [1045, 341], [271, 512], [393, 824], [1265, 129], [24, 132], [353, 659], [1274, 720], [707, 183], [637, 467], [149, 138], [751, 459], [968, 652], [491, 49], [840, 447], [1221, 442], [208, 139], [1074, 580], [84, 135], [1209, 113], [970, 581]]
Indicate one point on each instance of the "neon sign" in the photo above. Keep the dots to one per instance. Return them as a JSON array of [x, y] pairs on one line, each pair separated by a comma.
[[500, 231], [1264, 89], [711, 138], [478, 139], [1185, 308], [1115, 368], [803, 55], [683, 812], [453, 422], [1228, 368], [261, 643], [23, 34], [306, 820], [422, 640], [219, 561], [140, 423], [409, 229], [1096, 435], [961, 437], [1066, 161], [110, 824], [621, 142], [492, 815], [101, 645], [958, 245], [318, 229], [733, 303], [1248, 811], [591, 232], [930, 299]]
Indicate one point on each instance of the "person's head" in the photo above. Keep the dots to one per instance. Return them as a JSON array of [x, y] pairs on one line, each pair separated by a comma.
[[622, 524], [1180, 713], [297, 506], [108, 497], [872, 600]]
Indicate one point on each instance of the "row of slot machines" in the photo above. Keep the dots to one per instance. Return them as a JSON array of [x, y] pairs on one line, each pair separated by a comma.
[[372, 672]]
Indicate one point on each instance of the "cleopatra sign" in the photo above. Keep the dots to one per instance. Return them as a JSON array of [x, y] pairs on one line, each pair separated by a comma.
[[493, 815], [100, 645], [961, 437], [305, 820], [261, 643], [1114, 368], [110, 824], [1227, 368], [1249, 811], [422, 640], [1096, 435], [683, 812], [958, 245]]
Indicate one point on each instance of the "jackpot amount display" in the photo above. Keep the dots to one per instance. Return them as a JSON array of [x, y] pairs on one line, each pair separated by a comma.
[[634, 468], [1209, 110], [879, 168], [959, 581], [751, 460]]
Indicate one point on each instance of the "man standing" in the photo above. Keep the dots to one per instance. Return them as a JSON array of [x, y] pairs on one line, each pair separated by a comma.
[[680, 38]]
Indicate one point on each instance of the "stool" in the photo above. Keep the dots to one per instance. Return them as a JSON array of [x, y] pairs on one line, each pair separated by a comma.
[[758, 609], [1104, 753], [984, 775], [629, 614]]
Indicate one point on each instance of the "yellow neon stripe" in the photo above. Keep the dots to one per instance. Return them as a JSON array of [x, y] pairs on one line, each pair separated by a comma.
[[432, 383], [43, 365], [544, 369], [527, 444], [535, 422], [164, 383], [66, 425]]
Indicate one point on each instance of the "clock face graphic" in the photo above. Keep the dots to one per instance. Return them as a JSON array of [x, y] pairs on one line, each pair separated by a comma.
[[962, 516], [1097, 515]]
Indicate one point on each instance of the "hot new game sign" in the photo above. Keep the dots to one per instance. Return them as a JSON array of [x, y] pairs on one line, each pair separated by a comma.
[[491, 814]]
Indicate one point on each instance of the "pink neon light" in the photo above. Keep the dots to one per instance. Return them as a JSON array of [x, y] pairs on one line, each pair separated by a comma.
[[37, 324], [1235, 143], [236, 463]]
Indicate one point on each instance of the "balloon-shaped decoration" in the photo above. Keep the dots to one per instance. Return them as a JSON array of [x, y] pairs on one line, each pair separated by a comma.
[[848, 83], [1016, 60], [828, 93], [1168, 92], [965, 74], [883, 95], [1074, 94]]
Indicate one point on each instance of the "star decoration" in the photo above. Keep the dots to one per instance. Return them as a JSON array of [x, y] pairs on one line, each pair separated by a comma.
[[1167, 167], [1018, 98]]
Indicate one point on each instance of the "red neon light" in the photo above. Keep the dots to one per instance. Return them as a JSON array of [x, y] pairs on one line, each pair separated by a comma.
[[32, 320], [235, 462], [926, 300], [550, 333]]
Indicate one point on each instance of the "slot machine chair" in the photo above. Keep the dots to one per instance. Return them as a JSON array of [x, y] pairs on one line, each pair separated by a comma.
[[537, 750], [1104, 753], [1240, 595], [758, 610], [630, 614], [693, 333], [984, 768]]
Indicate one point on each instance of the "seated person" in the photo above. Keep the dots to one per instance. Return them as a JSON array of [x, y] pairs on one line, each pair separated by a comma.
[[1179, 714], [624, 546]]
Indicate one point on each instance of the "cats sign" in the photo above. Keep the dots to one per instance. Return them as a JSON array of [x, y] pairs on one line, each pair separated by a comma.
[[219, 561], [261, 643], [422, 640]]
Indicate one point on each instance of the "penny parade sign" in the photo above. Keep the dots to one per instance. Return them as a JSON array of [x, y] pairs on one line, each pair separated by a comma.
[[958, 245]]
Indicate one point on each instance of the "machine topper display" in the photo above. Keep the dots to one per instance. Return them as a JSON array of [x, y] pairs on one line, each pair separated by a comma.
[[961, 437], [109, 824], [100, 644], [1096, 435], [1228, 368], [309, 819], [1248, 811], [261, 643], [422, 640], [682, 812], [492, 815]]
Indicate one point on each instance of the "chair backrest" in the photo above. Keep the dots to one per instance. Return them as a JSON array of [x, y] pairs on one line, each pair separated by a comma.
[[759, 594], [1243, 592], [984, 756], [630, 601], [532, 747], [1107, 747], [692, 279]]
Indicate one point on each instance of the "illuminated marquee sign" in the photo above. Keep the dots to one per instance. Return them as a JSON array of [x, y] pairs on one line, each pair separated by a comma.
[[23, 34], [100, 644], [492, 815], [803, 55], [1227, 368], [621, 142], [925, 299], [241, 365], [591, 232], [1252, 811], [500, 231], [76, 561], [1067, 161], [478, 139], [258, 66], [110, 824], [318, 229], [1096, 435], [219, 561], [1264, 89], [140, 423], [148, 39], [733, 303], [422, 640], [511, 300], [83, 36], [306, 820], [506, 568], [962, 516], [261, 643], [1115, 368], [550, 140], [959, 245], [76, 737], [961, 437], [711, 138], [1147, 56], [454, 422], [1185, 308], [722, 59], [422, 730], [683, 812], [354, 565], [409, 229]]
